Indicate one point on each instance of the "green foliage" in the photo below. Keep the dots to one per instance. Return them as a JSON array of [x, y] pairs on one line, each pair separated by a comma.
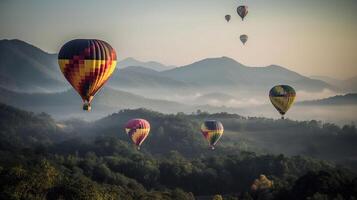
[[41, 160], [217, 197]]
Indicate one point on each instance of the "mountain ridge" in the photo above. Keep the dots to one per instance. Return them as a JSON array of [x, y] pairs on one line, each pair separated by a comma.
[[24, 66], [69, 103], [38, 71], [130, 61], [224, 71], [347, 99]]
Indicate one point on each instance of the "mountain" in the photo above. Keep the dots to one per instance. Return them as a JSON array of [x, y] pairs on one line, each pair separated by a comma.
[[68, 104], [347, 85], [226, 72], [348, 99], [327, 79], [128, 62], [350, 84], [134, 77], [24, 67], [37, 72]]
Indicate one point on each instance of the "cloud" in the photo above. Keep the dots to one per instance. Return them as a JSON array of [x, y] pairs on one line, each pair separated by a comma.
[[304, 95]]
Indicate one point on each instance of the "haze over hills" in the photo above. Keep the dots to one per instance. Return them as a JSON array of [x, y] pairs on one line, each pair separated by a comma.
[[348, 99], [347, 85], [24, 67], [68, 104], [134, 77], [213, 85], [226, 72], [129, 62], [209, 75]]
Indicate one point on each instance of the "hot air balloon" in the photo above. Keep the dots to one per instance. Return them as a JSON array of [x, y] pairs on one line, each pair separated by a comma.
[[282, 97], [137, 130], [242, 11], [228, 18], [243, 39], [87, 65], [212, 130]]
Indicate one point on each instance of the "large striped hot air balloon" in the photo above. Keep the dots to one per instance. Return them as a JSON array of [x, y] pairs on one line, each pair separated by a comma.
[[242, 11], [212, 130], [137, 130], [282, 97], [87, 65]]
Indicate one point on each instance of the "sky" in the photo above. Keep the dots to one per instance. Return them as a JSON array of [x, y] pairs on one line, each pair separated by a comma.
[[311, 37]]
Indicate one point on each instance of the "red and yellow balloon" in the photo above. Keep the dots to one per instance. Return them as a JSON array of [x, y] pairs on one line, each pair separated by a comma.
[[137, 130], [87, 65]]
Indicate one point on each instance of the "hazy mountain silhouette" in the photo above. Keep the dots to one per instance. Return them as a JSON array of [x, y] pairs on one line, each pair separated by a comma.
[[327, 79], [350, 84], [128, 62], [347, 85], [68, 103], [141, 77], [24, 67], [226, 72], [348, 99]]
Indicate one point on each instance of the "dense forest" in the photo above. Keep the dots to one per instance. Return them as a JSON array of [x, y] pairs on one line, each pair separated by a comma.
[[257, 158]]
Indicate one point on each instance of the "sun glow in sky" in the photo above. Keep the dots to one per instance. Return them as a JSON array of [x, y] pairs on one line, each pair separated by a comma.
[[312, 37]]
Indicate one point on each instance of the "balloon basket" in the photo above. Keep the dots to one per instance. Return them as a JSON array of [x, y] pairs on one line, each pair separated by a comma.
[[87, 107]]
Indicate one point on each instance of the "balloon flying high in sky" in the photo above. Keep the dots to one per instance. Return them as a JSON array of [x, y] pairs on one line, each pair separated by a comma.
[[242, 11], [87, 66]]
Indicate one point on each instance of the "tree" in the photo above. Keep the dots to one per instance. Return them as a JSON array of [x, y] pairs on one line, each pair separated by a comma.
[[217, 197]]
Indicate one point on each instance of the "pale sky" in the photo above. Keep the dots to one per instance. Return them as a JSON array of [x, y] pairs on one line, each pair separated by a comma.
[[312, 37]]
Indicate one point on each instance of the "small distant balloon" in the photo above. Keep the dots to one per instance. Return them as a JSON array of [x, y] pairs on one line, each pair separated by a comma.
[[242, 11], [282, 97], [243, 38], [228, 18], [212, 130], [137, 130]]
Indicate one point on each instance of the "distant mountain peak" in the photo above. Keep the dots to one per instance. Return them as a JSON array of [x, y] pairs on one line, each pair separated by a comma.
[[220, 59], [130, 61], [346, 99], [24, 67], [215, 62], [20, 44], [275, 66]]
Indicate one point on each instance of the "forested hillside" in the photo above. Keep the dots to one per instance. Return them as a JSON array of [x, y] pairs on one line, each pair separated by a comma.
[[45, 159]]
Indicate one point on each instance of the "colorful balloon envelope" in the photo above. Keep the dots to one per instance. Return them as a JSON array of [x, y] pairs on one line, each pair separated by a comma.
[[137, 130], [212, 130], [228, 18], [87, 65], [282, 97], [243, 39], [242, 11]]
